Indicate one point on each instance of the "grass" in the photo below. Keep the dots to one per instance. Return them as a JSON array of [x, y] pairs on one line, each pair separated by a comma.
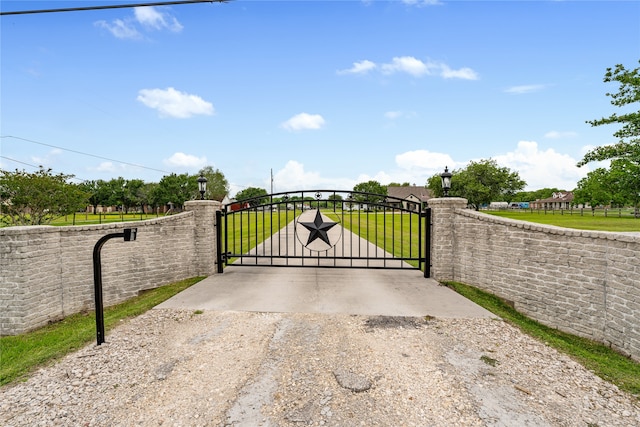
[[602, 360], [87, 218], [247, 229], [392, 232], [611, 222], [22, 354]]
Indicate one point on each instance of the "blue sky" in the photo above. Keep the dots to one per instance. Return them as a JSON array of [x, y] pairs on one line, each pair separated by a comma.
[[324, 93]]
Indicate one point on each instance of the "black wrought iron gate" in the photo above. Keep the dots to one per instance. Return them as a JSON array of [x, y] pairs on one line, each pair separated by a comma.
[[325, 228]]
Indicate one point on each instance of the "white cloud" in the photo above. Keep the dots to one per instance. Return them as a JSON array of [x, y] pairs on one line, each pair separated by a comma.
[[420, 3], [48, 159], [293, 177], [303, 121], [148, 18], [172, 103], [464, 73], [106, 167], [554, 134], [393, 115], [186, 161], [524, 89], [423, 163], [539, 168], [413, 66], [543, 168], [406, 64], [152, 18], [121, 29], [361, 67]]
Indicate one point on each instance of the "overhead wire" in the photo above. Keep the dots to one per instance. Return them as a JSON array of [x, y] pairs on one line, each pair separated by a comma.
[[85, 154], [113, 6], [37, 167]]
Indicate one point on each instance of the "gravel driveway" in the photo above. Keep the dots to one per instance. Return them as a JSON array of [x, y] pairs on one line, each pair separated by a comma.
[[173, 367]]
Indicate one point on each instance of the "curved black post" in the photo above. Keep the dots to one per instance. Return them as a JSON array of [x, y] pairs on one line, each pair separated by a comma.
[[427, 243], [129, 234]]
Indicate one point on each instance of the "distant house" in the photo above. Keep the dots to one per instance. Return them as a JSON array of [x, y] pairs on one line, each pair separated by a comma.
[[233, 205], [558, 201], [413, 197]]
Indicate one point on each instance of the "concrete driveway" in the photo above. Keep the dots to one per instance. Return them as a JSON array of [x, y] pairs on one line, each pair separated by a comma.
[[326, 290]]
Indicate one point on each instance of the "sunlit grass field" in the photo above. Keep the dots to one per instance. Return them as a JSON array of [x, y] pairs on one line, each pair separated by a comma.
[[587, 221], [397, 233]]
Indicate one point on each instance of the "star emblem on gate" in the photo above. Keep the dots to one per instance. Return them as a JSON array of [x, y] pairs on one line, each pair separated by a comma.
[[318, 229]]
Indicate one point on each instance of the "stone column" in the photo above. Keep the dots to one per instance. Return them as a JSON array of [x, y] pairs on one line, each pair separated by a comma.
[[443, 236], [204, 234]]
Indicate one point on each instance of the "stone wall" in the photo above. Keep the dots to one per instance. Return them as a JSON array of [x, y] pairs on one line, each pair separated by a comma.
[[46, 272], [583, 282]]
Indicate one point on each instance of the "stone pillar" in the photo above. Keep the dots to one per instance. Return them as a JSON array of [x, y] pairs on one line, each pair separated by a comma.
[[204, 234], [443, 236]]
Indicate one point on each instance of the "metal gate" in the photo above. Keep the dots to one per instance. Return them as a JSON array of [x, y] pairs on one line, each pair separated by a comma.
[[324, 228]]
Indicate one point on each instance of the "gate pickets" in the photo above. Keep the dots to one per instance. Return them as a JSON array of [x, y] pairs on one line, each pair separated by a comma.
[[324, 228]]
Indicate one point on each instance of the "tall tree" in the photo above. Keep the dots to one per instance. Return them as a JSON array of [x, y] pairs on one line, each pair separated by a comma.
[[39, 197], [481, 183], [217, 184], [91, 188], [594, 189], [177, 189], [377, 193], [627, 150], [254, 195]]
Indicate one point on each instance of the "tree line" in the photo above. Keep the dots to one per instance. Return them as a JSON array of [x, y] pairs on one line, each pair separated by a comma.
[[36, 198]]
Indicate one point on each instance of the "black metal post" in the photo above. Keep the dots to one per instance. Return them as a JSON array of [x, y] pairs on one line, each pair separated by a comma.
[[219, 256], [427, 243], [128, 234]]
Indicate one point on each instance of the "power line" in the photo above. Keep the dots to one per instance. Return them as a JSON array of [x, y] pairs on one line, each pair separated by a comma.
[[85, 154], [36, 167], [113, 6]]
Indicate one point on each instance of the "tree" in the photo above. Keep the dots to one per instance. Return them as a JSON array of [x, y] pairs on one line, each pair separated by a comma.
[[39, 197], [481, 183], [177, 189], [594, 189], [253, 195], [91, 188], [627, 150], [376, 192], [133, 194], [217, 184], [624, 180]]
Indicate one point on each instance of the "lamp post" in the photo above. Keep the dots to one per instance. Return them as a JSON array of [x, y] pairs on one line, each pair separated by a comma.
[[129, 235], [446, 181], [202, 186]]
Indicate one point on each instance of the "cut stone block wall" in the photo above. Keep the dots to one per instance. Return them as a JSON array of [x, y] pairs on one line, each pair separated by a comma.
[[583, 282], [46, 273]]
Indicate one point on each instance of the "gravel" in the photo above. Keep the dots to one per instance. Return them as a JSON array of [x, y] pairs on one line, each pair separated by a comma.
[[180, 368]]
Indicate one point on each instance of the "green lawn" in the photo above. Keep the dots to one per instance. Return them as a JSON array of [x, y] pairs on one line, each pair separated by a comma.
[[611, 222], [397, 233], [247, 229], [87, 219]]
